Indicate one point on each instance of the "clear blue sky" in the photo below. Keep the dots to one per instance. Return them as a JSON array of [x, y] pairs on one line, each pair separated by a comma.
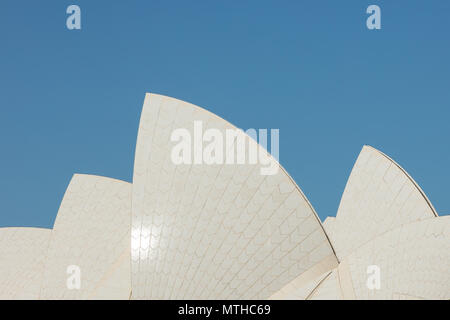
[[70, 101]]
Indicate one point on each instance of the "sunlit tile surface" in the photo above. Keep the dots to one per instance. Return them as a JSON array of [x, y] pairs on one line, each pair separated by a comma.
[[384, 220], [91, 231], [378, 197], [22, 258], [414, 261], [213, 231], [226, 231]]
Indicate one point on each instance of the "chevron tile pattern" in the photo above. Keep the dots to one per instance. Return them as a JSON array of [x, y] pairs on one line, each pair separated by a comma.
[[91, 231], [23, 253], [222, 231]]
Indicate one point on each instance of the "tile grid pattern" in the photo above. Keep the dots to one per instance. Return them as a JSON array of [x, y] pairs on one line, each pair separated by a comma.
[[221, 219], [22, 252], [91, 231], [414, 260], [378, 197]]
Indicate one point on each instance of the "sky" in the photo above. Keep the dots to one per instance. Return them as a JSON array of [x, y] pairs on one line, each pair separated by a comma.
[[70, 100]]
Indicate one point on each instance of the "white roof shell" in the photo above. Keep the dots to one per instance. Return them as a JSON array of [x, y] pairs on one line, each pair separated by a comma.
[[224, 231], [91, 231], [23, 253], [379, 196], [213, 231]]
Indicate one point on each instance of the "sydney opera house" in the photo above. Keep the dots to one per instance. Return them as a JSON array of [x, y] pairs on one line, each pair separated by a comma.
[[225, 231]]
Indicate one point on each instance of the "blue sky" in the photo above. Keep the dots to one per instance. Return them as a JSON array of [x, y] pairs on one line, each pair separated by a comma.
[[70, 101]]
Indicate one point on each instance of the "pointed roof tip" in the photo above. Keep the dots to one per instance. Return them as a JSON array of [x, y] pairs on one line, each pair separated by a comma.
[[153, 94], [218, 117], [369, 147], [149, 94], [149, 119], [148, 97], [77, 177]]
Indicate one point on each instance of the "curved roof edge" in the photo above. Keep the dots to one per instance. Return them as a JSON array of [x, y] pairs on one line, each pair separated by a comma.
[[409, 177], [76, 176], [328, 225], [112, 270], [386, 243], [87, 175], [149, 95]]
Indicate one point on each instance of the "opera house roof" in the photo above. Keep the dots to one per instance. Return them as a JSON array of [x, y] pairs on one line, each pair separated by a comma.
[[226, 231]]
